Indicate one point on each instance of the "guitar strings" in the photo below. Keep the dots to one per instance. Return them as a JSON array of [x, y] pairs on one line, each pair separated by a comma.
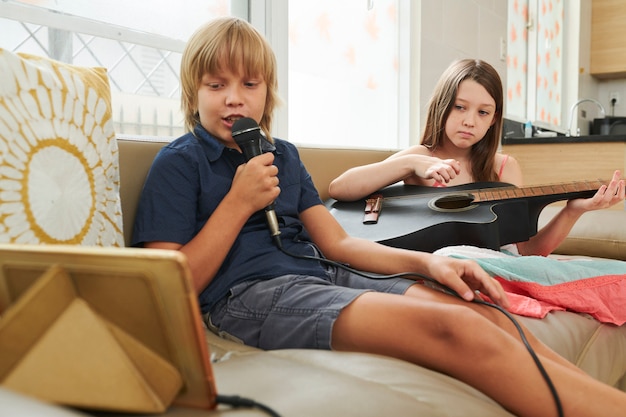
[[556, 188]]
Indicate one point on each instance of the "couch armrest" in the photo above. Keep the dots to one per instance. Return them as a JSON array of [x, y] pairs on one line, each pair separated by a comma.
[[599, 233]]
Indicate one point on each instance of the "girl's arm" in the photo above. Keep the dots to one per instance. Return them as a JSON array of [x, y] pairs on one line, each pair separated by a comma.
[[361, 181], [553, 233], [254, 187]]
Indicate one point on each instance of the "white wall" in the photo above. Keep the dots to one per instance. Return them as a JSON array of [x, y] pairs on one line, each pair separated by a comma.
[[588, 85], [454, 29], [601, 89]]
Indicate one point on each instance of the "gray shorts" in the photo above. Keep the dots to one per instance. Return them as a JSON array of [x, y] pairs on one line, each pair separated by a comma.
[[292, 311]]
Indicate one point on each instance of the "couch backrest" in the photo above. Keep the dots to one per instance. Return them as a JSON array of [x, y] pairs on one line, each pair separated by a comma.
[[325, 164], [136, 156]]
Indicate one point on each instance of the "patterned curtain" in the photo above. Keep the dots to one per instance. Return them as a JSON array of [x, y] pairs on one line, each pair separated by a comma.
[[547, 54]]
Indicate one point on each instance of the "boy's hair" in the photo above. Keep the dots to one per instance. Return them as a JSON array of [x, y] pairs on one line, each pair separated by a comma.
[[442, 101], [227, 43]]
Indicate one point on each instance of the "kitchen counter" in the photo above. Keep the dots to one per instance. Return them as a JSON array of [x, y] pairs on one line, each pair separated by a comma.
[[564, 139]]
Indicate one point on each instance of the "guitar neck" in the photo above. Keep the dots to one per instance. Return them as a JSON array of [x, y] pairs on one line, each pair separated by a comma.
[[554, 192]]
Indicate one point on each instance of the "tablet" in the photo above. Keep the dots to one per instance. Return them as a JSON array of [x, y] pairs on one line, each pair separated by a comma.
[[115, 329]]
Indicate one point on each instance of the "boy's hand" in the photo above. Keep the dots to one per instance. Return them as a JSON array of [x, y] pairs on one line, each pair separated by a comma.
[[465, 277], [255, 183]]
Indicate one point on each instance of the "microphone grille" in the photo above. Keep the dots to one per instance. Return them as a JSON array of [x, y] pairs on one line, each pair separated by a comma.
[[243, 125], [246, 133]]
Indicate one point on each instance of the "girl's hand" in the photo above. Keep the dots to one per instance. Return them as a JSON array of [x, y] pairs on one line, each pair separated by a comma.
[[440, 170], [605, 197]]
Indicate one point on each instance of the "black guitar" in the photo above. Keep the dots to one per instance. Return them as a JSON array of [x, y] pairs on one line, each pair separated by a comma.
[[488, 214]]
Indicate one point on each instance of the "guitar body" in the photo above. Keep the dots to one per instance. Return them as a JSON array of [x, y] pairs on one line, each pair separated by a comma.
[[427, 218]]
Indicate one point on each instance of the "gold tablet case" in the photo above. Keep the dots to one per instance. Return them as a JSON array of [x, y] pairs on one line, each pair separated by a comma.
[[114, 329]]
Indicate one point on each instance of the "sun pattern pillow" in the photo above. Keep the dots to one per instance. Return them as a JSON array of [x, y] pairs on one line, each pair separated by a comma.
[[59, 172]]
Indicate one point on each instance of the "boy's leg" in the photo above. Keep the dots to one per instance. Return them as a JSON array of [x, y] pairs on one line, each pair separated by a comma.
[[495, 316], [455, 339]]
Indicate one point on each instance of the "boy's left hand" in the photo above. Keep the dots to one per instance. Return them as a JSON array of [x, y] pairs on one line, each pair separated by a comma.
[[465, 276]]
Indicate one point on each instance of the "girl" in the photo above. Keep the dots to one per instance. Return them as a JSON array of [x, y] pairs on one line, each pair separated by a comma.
[[460, 145], [203, 198]]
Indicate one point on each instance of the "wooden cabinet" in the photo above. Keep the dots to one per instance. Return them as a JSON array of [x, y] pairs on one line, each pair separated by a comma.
[[608, 38]]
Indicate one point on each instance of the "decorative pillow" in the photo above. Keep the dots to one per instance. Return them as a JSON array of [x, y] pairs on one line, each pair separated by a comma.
[[59, 172]]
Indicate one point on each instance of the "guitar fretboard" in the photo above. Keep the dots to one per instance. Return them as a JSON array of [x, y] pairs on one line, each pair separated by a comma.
[[507, 193]]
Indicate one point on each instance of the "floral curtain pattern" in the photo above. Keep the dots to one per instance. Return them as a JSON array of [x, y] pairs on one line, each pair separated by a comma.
[[546, 80]]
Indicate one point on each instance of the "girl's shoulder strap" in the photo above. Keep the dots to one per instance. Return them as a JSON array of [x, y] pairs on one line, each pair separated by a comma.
[[505, 158]]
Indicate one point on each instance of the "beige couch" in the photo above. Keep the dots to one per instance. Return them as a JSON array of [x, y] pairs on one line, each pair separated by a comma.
[[304, 383]]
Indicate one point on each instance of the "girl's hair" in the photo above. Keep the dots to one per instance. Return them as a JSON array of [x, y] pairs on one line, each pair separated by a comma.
[[483, 152], [233, 44]]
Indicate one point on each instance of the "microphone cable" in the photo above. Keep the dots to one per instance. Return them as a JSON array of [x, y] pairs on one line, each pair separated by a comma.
[[236, 401], [437, 285]]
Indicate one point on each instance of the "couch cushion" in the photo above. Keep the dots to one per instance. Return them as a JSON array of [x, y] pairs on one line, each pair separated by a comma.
[[19, 405], [317, 383], [597, 233], [596, 348], [59, 173]]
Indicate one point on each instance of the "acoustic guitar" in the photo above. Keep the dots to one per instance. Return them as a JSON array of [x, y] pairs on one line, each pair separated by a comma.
[[487, 214]]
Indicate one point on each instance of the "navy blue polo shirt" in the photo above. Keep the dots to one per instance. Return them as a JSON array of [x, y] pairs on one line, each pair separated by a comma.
[[188, 179]]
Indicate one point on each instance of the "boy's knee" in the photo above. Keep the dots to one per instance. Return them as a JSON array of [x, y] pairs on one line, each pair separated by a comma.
[[462, 326]]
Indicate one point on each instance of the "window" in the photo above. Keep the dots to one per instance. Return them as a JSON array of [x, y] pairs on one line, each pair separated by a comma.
[[341, 74], [142, 55], [345, 74]]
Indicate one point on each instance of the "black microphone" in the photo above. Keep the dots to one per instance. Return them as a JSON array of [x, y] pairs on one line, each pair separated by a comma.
[[247, 133]]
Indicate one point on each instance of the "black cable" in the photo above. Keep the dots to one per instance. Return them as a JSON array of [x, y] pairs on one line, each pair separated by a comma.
[[613, 103], [533, 354], [450, 291], [238, 402]]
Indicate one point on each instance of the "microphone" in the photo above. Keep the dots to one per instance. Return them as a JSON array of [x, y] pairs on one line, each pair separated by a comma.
[[247, 134]]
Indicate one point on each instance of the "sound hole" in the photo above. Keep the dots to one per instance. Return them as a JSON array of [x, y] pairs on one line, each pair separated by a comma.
[[452, 202]]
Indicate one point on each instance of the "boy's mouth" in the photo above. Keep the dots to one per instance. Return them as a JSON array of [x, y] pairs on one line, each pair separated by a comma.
[[232, 119]]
